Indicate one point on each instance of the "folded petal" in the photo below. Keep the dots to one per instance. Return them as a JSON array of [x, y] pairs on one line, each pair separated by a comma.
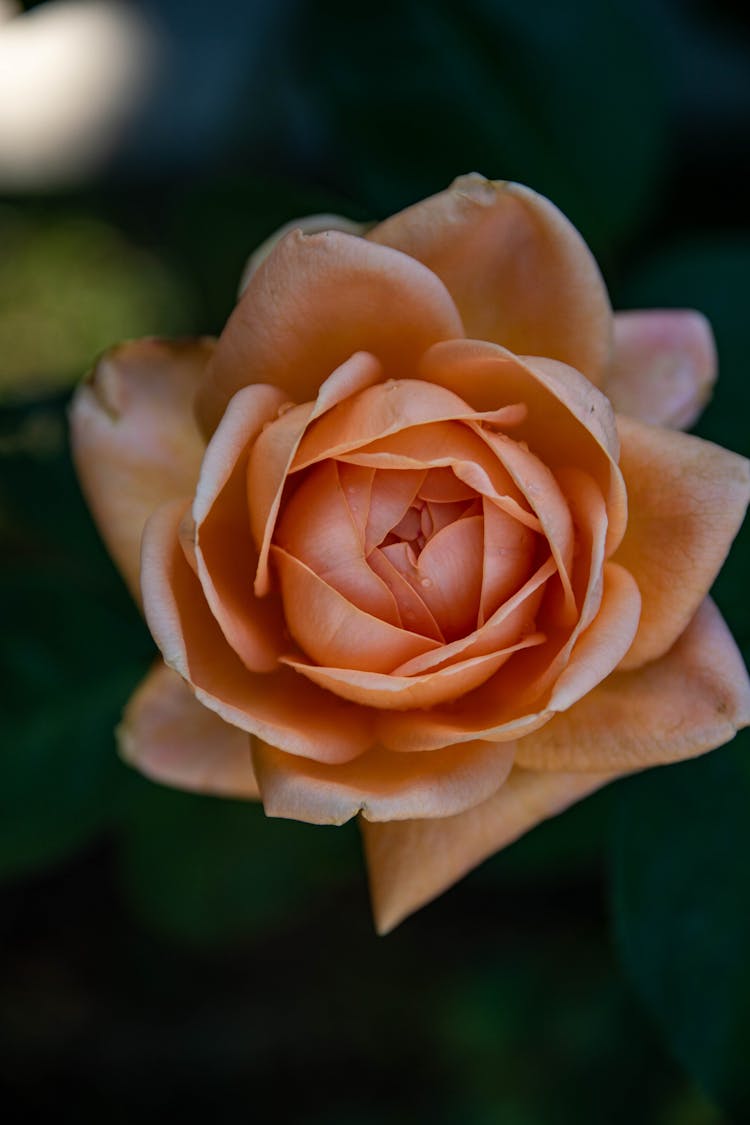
[[447, 575], [334, 631], [317, 528], [508, 557], [134, 438], [225, 554], [414, 861], [315, 301], [691, 700], [281, 707], [510, 704], [274, 450], [567, 421], [519, 272], [390, 408], [687, 499], [537, 484], [172, 738], [380, 785], [664, 366], [452, 445], [398, 693]]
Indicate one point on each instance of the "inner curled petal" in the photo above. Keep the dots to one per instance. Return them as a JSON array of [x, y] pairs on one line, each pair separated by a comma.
[[417, 549]]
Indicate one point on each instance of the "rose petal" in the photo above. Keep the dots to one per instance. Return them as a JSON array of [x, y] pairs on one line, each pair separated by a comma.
[[272, 453], [390, 498], [308, 224], [134, 438], [691, 700], [380, 785], [389, 408], [442, 486], [225, 553], [280, 708], [538, 672], [543, 495], [448, 575], [453, 445], [317, 529], [315, 301], [335, 632], [357, 485], [499, 711], [568, 421], [398, 693], [687, 501], [512, 620], [508, 556], [413, 612], [412, 862], [601, 646], [664, 366], [519, 272], [172, 738]]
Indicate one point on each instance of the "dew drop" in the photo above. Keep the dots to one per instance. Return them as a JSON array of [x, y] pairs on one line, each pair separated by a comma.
[[425, 582]]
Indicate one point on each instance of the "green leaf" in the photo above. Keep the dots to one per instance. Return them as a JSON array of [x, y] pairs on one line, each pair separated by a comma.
[[682, 912], [206, 870]]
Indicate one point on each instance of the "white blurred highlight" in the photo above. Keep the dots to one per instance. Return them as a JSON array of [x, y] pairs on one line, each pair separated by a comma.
[[72, 73]]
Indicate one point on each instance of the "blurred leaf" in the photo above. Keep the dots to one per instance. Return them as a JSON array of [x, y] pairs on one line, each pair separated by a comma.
[[682, 912], [207, 870], [713, 276], [71, 286], [72, 648], [568, 100]]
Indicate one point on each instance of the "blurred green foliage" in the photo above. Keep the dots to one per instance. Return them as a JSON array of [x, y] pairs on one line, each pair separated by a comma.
[[172, 954], [69, 286]]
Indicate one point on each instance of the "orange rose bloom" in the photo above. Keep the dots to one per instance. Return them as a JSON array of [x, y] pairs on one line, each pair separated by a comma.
[[389, 526]]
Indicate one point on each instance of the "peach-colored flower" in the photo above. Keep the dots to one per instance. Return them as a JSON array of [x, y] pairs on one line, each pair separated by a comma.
[[395, 532]]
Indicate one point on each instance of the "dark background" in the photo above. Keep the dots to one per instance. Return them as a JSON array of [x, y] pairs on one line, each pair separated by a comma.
[[165, 954]]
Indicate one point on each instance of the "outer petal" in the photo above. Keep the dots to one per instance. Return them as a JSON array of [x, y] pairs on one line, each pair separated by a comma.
[[134, 438], [314, 302], [413, 862], [692, 700], [171, 737], [687, 499], [282, 707], [663, 367], [308, 224], [225, 553], [380, 785], [519, 272]]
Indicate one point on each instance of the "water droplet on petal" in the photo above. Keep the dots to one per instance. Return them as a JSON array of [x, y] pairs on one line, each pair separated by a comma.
[[425, 582]]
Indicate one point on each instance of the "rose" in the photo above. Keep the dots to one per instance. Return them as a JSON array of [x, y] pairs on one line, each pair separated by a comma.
[[435, 579]]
